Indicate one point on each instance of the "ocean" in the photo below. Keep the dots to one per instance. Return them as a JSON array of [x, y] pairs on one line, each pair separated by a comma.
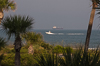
[[70, 37], [65, 37]]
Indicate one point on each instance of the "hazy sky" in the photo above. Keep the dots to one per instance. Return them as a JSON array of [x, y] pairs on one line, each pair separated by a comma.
[[69, 14]]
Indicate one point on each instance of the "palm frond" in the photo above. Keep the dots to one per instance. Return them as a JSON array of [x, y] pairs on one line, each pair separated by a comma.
[[16, 24], [7, 5], [96, 1], [2, 42], [32, 37], [45, 60]]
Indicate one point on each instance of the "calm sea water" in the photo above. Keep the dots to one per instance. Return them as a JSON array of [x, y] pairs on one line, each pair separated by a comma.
[[65, 37], [70, 37]]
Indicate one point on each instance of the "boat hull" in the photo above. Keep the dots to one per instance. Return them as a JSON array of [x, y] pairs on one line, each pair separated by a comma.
[[49, 33]]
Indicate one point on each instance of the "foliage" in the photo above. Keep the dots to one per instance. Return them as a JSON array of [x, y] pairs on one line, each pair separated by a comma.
[[97, 1], [23, 50], [27, 60], [79, 58], [14, 25], [7, 5], [32, 37], [8, 60], [2, 43], [68, 49], [46, 59], [46, 46], [1, 58], [61, 49], [58, 49], [5, 50], [39, 51]]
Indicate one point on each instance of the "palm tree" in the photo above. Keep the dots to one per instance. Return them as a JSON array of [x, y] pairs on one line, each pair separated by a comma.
[[32, 38], [16, 25], [6, 5], [95, 4]]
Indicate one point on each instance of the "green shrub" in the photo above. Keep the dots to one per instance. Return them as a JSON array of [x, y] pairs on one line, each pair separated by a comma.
[[32, 37], [1, 57], [79, 58], [23, 50], [5, 50], [27, 60], [2, 43], [46, 46], [61, 49], [68, 48], [13, 50], [8, 60], [46, 59], [39, 51], [58, 49]]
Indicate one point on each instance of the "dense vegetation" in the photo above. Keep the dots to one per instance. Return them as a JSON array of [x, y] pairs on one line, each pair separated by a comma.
[[48, 55]]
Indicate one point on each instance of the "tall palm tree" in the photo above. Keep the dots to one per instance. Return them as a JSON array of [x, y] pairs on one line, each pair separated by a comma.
[[95, 4], [6, 5], [16, 25]]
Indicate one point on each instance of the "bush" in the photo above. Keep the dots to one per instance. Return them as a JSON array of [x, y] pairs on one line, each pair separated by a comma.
[[23, 50], [32, 37], [5, 50], [46, 46], [61, 49], [39, 51], [27, 60], [8, 60], [79, 58], [58, 49], [46, 59]]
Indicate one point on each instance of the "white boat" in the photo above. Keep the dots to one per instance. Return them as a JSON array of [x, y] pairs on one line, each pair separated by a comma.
[[49, 32]]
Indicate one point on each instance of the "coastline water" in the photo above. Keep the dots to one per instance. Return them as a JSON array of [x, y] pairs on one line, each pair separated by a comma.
[[64, 37], [70, 37]]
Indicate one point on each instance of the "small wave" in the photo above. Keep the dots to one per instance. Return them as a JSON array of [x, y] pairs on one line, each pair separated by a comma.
[[60, 33], [53, 34], [75, 34], [92, 48]]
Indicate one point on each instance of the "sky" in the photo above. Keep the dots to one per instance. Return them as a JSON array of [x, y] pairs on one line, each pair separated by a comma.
[[69, 14]]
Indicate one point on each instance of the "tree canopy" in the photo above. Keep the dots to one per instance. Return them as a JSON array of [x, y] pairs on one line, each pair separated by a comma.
[[7, 5], [14, 25]]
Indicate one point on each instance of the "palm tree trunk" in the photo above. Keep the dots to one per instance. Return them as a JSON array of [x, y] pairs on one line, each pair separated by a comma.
[[17, 58], [89, 28], [1, 15], [17, 49]]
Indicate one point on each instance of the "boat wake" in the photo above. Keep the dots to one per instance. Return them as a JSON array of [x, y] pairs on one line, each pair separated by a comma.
[[63, 33], [75, 34]]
